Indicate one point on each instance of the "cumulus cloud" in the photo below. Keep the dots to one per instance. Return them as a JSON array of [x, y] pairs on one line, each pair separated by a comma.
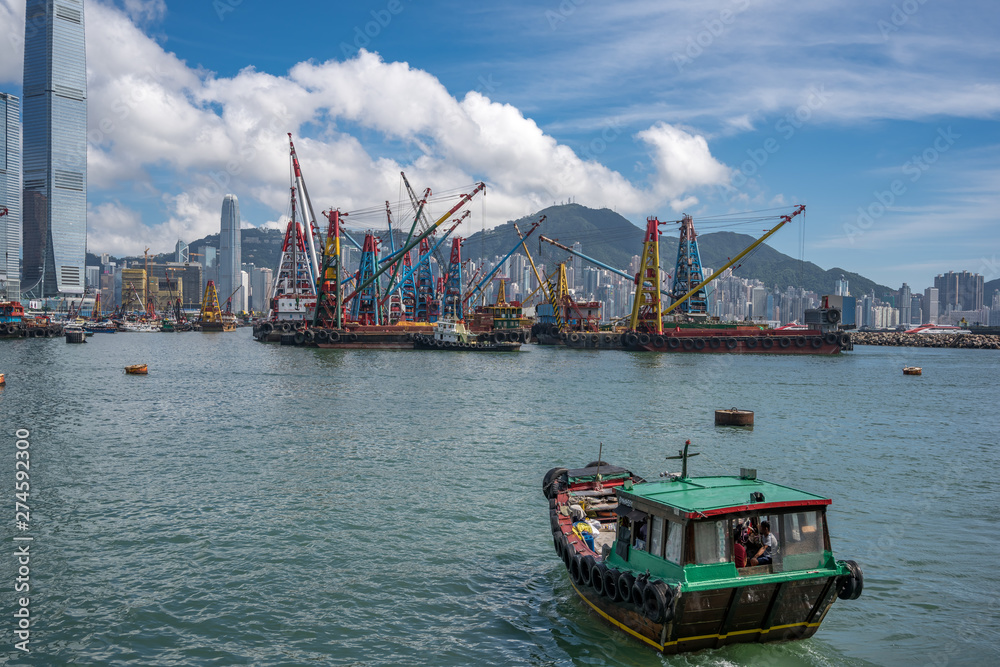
[[179, 139]]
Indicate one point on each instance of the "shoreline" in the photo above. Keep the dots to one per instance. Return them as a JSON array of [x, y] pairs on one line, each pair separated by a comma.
[[900, 339]]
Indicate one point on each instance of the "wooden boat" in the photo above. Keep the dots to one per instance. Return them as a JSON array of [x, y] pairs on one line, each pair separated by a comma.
[[2, 380], [912, 370], [137, 369], [665, 561]]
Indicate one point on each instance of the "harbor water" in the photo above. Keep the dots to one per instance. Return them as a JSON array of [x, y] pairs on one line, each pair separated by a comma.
[[259, 504]]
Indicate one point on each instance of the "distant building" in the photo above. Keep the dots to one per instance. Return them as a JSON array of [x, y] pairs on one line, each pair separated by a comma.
[[182, 253], [840, 287], [93, 275], [229, 251], [10, 197], [261, 282], [930, 306], [959, 291], [917, 309], [55, 149], [905, 296], [243, 294], [133, 290]]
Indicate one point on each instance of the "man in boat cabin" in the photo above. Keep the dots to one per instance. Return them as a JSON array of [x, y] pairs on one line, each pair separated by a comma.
[[768, 545], [739, 551]]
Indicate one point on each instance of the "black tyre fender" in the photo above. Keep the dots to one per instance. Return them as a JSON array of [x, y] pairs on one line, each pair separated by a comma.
[[557, 542], [597, 577], [299, 338], [714, 343], [554, 519], [831, 338], [638, 588], [767, 343], [563, 335], [659, 341], [833, 316], [625, 582], [587, 564], [575, 563], [266, 328], [322, 336], [286, 327], [643, 339], [731, 344], [800, 341], [699, 343], [751, 343], [688, 344], [849, 586], [310, 336], [673, 343], [631, 339], [353, 337], [574, 337], [567, 554], [817, 342], [656, 601], [784, 342], [550, 482], [607, 340], [611, 583], [334, 336]]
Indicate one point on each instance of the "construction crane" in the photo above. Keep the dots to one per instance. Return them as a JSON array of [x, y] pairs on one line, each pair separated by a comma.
[[420, 208], [496, 268], [308, 216], [617, 272]]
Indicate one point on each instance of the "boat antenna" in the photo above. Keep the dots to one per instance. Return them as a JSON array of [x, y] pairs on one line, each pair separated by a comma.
[[683, 454]]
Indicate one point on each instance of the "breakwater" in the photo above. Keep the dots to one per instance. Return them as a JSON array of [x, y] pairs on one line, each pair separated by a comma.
[[900, 339]]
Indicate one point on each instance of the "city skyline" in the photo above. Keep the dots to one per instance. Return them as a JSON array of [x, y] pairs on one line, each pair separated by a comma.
[[230, 260], [10, 197], [887, 133], [54, 158]]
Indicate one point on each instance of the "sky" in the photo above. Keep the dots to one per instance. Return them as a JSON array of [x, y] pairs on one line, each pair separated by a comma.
[[880, 117]]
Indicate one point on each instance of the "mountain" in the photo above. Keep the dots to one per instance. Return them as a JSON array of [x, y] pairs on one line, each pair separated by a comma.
[[603, 235], [610, 238]]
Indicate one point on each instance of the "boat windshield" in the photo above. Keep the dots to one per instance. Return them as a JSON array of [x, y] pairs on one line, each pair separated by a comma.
[[799, 537]]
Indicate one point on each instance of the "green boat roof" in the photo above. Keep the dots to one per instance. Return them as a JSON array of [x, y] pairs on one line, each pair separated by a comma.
[[707, 496]]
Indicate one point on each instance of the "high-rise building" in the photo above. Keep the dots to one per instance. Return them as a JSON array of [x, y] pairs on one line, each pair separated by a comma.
[[959, 291], [10, 197], [182, 254], [229, 252], [905, 295], [55, 148], [260, 289], [931, 305], [840, 287]]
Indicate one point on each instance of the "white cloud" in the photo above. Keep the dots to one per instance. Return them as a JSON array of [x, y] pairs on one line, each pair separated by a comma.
[[12, 42]]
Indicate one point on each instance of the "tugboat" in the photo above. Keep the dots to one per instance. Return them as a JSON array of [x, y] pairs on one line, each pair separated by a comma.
[[688, 563], [453, 335]]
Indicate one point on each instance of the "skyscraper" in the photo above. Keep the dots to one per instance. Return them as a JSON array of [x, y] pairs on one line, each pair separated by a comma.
[[905, 296], [55, 148], [229, 252], [10, 197], [931, 305]]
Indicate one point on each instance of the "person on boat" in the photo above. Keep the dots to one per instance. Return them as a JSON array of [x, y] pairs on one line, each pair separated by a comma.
[[768, 545], [640, 536], [739, 551]]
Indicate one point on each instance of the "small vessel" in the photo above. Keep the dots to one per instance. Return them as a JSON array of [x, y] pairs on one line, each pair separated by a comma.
[[937, 329], [451, 334], [137, 369], [3, 381], [106, 326], [687, 563], [74, 333], [912, 370]]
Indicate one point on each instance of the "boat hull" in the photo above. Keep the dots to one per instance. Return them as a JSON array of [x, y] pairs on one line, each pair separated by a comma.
[[707, 341]]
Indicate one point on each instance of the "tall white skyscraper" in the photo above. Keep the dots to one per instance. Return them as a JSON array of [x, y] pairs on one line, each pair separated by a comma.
[[54, 98], [229, 252], [931, 305], [10, 198]]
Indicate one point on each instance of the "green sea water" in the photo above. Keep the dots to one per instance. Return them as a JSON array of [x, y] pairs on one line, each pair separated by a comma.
[[268, 505]]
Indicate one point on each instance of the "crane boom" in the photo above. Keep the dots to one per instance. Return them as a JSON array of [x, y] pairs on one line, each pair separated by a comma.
[[309, 217], [613, 270], [496, 268]]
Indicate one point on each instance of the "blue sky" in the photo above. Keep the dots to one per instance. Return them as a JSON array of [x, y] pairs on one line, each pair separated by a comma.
[[880, 117]]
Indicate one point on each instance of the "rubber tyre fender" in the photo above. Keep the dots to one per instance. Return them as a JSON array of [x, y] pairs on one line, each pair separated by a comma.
[[631, 339], [575, 563], [554, 519], [568, 552], [845, 338], [322, 336], [714, 343], [655, 601], [607, 340], [587, 564], [659, 341], [731, 344], [767, 342], [625, 582], [334, 336], [688, 344], [597, 577], [352, 337], [267, 328], [643, 339], [574, 337], [833, 316], [49, 332], [38, 333], [286, 327], [751, 343], [817, 342], [439, 344], [554, 331], [563, 335], [550, 482], [849, 586], [784, 342], [831, 338], [638, 588], [611, 584], [673, 343], [594, 464], [800, 341], [557, 542], [699, 343], [310, 336]]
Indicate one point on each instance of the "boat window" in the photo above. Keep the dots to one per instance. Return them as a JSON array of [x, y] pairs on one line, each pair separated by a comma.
[[656, 536], [801, 540], [711, 542], [674, 533]]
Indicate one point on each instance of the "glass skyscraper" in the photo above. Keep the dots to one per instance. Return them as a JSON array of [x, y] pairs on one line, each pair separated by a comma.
[[10, 197], [55, 148], [230, 265]]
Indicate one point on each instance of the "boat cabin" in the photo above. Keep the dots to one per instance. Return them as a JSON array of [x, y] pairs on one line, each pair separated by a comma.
[[692, 529]]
